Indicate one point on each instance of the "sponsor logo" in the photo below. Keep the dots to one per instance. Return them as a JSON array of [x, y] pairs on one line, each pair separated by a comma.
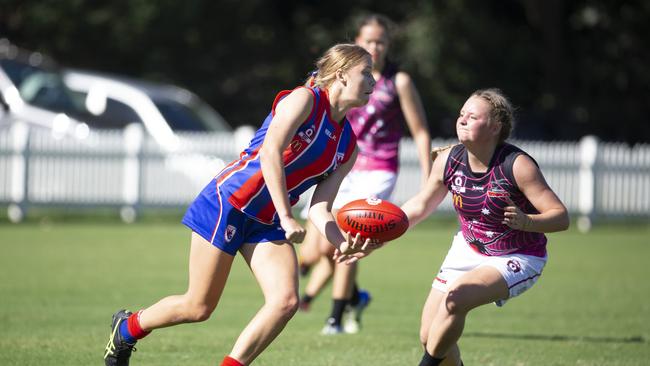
[[457, 200], [296, 145], [374, 201], [498, 193], [230, 233], [367, 229], [477, 188], [330, 134], [499, 188], [339, 159]]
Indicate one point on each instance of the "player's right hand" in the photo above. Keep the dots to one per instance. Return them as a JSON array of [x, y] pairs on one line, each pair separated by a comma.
[[354, 248], [293, 231]]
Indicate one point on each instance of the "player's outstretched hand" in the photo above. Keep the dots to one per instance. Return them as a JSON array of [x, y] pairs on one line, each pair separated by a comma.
[[514, 217], [294, 232], [355, 248]]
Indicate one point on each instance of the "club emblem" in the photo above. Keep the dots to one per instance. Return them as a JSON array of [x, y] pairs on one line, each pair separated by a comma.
[[230, 233]]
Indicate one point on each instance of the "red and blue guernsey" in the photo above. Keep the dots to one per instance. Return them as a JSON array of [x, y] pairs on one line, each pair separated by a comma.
[[319, 146], [480, 199]]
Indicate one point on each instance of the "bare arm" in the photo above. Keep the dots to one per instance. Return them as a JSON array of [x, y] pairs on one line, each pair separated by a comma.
[[415, 120], [290, 113], [552, 216], [320, 212], [428, 199]]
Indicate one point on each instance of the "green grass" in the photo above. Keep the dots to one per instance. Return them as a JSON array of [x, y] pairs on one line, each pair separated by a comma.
[[61, 281]]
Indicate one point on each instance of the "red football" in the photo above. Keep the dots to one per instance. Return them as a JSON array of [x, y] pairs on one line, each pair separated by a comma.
[[373, 218]]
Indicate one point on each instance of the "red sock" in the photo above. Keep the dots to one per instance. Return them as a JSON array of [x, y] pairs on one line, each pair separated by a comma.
[[133, 323], [229, 361]]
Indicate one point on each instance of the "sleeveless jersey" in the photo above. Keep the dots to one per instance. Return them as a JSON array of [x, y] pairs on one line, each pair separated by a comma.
[[480, 199], [319, 146], [378, 125]]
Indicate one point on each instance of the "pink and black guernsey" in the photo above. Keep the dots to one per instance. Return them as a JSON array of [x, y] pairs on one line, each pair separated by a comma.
[[480, 199], [319, 146], [378, 125]]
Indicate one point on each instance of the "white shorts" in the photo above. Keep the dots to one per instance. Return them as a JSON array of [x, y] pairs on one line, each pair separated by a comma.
[[361, 184], [520, 271], [364, 184]]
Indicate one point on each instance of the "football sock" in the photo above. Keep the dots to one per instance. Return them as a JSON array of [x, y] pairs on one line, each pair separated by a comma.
[[337, 311], [131, 330], [354, 300], [306, 299], [229, 361], [428, 360]]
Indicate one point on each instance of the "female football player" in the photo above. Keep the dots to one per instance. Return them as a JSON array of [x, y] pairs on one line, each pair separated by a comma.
[[305, 141], [379, 126], [504, 206]]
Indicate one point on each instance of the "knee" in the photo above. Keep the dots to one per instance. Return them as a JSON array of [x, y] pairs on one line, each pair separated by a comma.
[[286, 306], [457, 300], [424, 335], [197, 312]]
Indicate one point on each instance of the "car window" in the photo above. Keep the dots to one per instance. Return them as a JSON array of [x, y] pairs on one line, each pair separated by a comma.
[[180, 117], [115, 115], [40, 87]]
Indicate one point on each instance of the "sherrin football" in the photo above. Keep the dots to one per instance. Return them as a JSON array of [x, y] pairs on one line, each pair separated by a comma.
[[373, 218]]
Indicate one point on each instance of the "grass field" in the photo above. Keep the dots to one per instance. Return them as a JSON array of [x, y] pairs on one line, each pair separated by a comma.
[[60, 282]]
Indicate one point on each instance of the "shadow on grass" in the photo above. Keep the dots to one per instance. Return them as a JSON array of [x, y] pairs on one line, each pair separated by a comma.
[[555, 337]]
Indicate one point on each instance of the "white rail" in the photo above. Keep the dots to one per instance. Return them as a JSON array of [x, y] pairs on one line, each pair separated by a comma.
[[127, 170]]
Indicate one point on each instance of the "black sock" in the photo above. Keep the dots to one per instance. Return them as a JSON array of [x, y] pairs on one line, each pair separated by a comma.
[[354, 300], [428, 360], [338, 306], [306, 299]]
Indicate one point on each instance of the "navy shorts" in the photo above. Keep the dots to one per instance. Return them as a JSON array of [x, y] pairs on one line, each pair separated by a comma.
[[224, 226]]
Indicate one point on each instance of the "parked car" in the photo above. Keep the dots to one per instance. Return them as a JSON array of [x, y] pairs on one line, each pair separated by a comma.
[[162, 108], [32, 91]]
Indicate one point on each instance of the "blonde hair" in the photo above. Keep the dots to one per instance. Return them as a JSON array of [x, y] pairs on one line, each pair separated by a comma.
[[342, 57], [502, 110]]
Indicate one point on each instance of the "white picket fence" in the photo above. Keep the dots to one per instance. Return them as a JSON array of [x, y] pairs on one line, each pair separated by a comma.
[[129, 171]]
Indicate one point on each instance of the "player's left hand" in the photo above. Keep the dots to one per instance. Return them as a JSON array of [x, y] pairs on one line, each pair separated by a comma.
[[514, 217]]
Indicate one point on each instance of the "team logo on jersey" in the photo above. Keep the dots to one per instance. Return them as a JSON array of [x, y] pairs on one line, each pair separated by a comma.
[[458, 183], [307, 134], [514, 266], [230, 233]]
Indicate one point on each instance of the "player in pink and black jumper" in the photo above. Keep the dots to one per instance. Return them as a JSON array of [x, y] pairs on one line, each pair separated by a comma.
[[379, 127], [305, 141], [504, 206]]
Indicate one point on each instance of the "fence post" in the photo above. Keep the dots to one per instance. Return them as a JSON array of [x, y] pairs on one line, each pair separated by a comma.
[[587, 182], [19, 138], [133, 138]]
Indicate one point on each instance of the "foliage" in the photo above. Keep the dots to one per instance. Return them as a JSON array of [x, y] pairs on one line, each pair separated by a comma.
[[573, 67]]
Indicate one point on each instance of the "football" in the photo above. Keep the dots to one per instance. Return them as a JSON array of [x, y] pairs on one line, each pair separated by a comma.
[[373, 218]]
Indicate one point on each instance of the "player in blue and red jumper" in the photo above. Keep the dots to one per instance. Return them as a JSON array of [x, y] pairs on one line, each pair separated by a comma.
[[379, 128], [305, 141], [504, 206]]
